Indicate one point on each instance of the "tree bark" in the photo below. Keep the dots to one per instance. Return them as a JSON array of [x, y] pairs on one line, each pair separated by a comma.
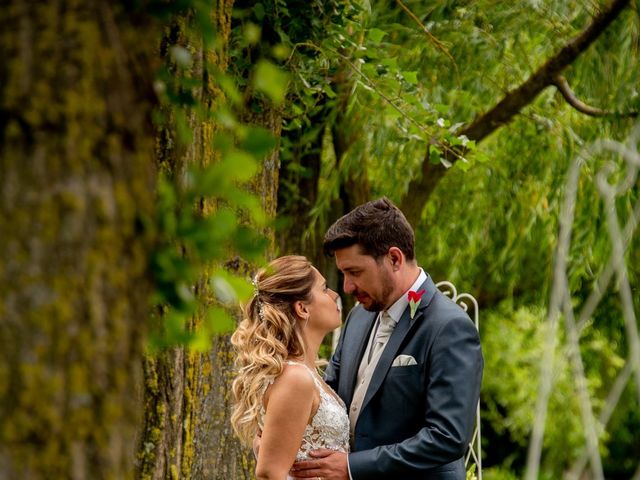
[[187, 433], [76, 150], [421, 188]]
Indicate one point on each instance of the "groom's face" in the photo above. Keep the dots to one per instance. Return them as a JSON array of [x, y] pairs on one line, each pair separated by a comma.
[[368, 279]]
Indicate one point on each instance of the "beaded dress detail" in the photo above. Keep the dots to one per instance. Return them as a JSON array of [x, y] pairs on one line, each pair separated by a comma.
[[329, 427]]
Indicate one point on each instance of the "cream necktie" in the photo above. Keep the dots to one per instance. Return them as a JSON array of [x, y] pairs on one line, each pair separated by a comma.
[[385, 329]]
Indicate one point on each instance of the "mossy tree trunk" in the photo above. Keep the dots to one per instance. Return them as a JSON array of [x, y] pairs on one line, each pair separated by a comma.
[[76, 163], [187, 433]]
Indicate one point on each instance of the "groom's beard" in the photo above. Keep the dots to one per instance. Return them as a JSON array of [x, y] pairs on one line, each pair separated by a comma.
[[378, 304]]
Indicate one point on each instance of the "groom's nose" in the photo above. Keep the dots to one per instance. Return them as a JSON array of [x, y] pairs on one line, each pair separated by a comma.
[[348, 286]]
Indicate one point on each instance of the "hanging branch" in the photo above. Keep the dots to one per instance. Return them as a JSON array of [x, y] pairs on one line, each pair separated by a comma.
[[563, 87], [430, 35], [420, 188]]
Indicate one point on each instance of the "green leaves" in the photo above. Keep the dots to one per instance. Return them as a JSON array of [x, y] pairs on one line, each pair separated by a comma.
[[230, 289], [376, 35], [243, 165], [220, 321], [271, 81], [410, 77], [258, 141], [206, 214], [229, 87], [190, 242], [434, 154]]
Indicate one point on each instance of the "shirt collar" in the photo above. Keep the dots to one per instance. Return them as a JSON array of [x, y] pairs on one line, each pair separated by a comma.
[[396, 310]]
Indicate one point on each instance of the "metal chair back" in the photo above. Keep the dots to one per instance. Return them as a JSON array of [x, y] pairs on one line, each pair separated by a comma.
[[470, 305]]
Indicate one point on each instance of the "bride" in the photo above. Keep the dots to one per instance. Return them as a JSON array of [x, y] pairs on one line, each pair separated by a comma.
[[278, 390]]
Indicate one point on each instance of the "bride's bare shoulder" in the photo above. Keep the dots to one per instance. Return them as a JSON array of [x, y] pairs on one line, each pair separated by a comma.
[[295, 381]]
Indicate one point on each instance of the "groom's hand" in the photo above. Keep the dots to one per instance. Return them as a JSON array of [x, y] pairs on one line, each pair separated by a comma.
[[326, 464]]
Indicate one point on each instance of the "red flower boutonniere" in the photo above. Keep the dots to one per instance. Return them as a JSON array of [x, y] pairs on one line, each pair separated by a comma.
[[414, 300]]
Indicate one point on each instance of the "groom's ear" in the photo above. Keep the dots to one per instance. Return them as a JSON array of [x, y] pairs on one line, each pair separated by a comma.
[[396, 257]]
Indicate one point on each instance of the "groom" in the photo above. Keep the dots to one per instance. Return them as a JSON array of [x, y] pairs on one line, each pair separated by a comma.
[[409, 371]]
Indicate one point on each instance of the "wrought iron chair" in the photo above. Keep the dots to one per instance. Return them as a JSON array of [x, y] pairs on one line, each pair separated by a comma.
[[468, 302]]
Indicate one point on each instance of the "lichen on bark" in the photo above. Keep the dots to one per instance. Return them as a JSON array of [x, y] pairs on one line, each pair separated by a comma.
[[191, 438], [76, 155]]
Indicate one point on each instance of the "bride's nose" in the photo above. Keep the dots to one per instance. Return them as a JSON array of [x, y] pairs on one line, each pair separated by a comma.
[[338, 300]]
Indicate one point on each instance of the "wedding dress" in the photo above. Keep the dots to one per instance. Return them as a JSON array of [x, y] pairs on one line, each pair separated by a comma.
[[329, 427]]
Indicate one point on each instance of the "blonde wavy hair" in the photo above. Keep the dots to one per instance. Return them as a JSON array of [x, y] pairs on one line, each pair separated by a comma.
[[268, 334]]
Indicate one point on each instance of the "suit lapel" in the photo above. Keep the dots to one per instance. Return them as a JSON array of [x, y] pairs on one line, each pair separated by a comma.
[[404, 326], [388, 354], [361, 325]]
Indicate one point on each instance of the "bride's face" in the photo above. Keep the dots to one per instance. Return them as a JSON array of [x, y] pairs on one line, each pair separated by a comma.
[[325, 313]]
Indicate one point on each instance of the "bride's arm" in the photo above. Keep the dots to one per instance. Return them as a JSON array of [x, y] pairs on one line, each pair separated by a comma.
[[289, 403]]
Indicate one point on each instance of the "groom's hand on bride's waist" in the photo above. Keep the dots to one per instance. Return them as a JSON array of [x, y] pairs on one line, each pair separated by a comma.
[[326, 464]]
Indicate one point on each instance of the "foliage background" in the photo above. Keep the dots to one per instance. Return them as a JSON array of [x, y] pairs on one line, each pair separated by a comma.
[[491, 224]]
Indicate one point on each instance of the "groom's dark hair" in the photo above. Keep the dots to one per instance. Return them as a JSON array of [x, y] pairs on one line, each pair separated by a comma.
[[376, 226]]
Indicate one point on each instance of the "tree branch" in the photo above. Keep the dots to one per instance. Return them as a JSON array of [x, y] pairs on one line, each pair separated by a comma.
[[420, 189], [563, 87], [430, 35], [516, 99]]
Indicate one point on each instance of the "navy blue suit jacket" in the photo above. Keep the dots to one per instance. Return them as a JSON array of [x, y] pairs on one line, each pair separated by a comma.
[[416, 421]]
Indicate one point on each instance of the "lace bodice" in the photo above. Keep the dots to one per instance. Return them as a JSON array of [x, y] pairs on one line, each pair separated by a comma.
[[329, 427]]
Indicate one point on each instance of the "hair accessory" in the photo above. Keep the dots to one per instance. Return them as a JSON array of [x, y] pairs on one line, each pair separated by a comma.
[[254, 282], [256, 293]]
